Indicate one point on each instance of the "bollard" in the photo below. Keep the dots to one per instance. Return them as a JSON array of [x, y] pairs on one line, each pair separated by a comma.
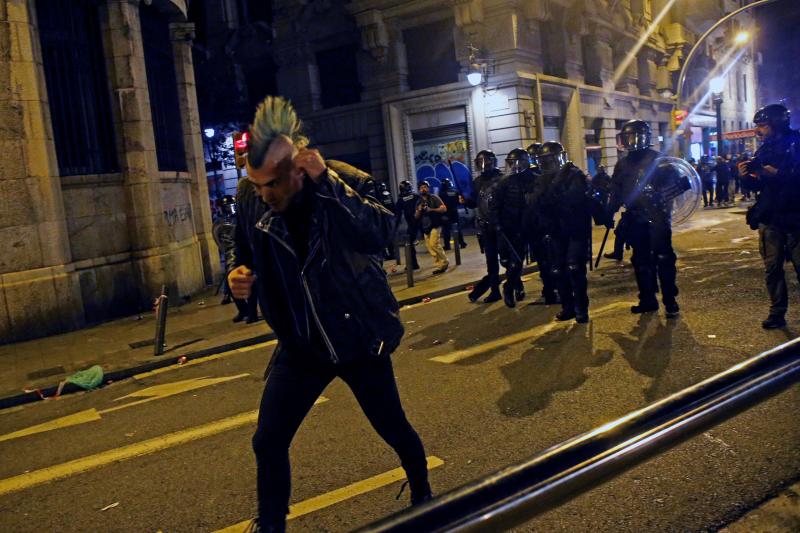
[[409, 266], [457, 244], [397, 258], [162, 304]]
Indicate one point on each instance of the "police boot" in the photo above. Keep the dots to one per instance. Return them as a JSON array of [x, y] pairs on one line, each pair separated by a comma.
[[477, 291], [494, 295], [774, 322], [672, 309], [565, 314], [508, 295], [646, 306], [582, 316]]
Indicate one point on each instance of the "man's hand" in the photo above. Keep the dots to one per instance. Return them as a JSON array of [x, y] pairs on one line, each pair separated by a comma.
[[769, 170], [240, 281], [742, 168], [309, 162]]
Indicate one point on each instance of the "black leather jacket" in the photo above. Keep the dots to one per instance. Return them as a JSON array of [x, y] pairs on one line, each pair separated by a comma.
[[779, 201], [341, 287]]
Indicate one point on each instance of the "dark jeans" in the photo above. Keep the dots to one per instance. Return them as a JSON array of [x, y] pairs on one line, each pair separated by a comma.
[[489, 243], [708, 193], [722, 191], [653, 260], [447, 228], [568, 257], [290, 392], [776, 246]]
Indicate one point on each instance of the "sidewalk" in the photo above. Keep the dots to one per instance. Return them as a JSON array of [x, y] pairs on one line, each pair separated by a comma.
[[198, 328]]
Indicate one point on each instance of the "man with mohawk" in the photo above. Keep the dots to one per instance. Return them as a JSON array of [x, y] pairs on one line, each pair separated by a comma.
[[314, 244]]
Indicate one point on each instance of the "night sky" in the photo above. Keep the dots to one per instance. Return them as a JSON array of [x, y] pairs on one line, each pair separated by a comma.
[[778, 40]]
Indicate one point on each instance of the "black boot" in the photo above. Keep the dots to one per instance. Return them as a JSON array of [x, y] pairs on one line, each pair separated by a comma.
[[582, 316], [519, 294], [774, 322], [494, 296], [644, 307], [565, 314], [672, 309], [612, 255], [508, 295], [479, 289]]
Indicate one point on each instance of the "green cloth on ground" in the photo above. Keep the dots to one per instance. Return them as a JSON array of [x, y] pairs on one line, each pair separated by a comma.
[[88, 379]]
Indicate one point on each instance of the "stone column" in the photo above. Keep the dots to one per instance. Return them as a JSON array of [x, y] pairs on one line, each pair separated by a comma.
[[627, 78], [647, 72], [146, 226], [608, 143], [298, 76], [39, 289], [604, 56], [573, 136], [182, 35], [385, 71]]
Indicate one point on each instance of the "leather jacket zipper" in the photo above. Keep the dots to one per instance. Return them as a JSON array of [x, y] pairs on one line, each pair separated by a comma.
[[328, 343]]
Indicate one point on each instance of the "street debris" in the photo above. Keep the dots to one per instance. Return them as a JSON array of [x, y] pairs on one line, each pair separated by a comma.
[[109, 506], [712, 336], [201, 302], [469, 287], [182, 360], [744, 252], [426, 299], [437, 341]]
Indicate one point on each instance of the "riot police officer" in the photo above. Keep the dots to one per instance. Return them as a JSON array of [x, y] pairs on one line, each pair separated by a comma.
[[407, 206], [223, 231], [533, 150], [485, 185], [451, 198], [572, 203], [538, 224], [774, 170], [510, 207], [639, 183], [385, 198]]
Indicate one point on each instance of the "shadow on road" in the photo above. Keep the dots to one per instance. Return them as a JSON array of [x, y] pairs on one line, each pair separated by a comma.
[[556, 362]]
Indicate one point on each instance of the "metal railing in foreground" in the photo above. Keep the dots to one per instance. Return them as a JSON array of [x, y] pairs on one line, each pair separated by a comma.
[[522, 491]]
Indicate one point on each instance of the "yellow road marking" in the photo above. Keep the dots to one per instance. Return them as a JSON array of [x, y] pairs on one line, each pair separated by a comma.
[[91, 462], [155, 392], [75, 419], [522, 336], [339, 495], [202, 360]]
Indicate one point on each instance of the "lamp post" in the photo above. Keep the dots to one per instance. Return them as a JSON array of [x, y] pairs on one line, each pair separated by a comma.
[[717, 85]]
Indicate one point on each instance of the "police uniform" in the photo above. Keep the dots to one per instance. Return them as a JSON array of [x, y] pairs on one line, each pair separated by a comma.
[[639, 183], [407, 206], [450, 197], [485, 185]]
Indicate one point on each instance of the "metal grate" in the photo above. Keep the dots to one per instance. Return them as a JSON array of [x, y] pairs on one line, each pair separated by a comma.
[[163, 88], [77, 86]]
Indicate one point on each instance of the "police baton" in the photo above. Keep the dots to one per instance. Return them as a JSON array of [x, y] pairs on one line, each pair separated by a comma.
[[602, 245], [511, 246]]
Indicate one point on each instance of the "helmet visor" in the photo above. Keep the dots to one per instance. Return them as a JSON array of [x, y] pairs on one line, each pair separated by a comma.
[[483, 163], [633, 140], [515, 165], [552, 162]]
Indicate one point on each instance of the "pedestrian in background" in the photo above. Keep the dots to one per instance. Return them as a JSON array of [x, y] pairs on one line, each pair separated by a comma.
[[316, 253], [723, 172]]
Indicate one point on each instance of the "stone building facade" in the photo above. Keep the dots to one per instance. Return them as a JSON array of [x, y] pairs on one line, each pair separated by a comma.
[[553, 70], [103, 194]]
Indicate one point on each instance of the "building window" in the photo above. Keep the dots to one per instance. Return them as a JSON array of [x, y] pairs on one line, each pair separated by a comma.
[[431, 55], [77, 87], [338, 76], [162, 85], [738, 89]]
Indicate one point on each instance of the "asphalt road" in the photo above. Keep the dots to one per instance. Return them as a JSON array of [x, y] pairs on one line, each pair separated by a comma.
[[485, 386]]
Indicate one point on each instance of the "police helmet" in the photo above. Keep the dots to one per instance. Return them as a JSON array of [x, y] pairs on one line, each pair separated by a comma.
[[424, 183], [533, 150], [635, 135], [228, 204], [405, 187], [552, 157], [518, 160], [446, 184], [775, 116], [485, 161], [381, 186]]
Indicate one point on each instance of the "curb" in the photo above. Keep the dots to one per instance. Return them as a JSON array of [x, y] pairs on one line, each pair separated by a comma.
[[125, 373]]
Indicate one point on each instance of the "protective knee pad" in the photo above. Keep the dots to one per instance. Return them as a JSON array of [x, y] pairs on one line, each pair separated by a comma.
[[663, 259], [575, 267]]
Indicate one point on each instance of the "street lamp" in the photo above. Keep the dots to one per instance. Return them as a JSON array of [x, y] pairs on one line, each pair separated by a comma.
[[742, 37], [717, 85]]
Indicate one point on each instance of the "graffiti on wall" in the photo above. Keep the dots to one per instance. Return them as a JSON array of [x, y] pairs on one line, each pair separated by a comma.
[[180, 213]]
